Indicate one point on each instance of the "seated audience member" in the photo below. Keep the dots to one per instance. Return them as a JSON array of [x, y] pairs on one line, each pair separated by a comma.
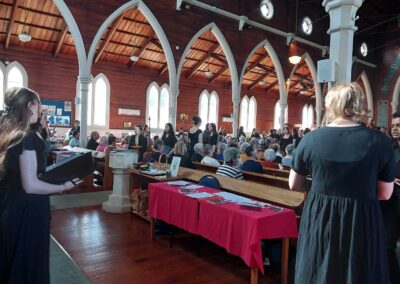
[[261, 144], [112, 141], [103, 144], [75, 139], [208, 160], [270, 157], [92, 143], [180, 150], [198, 154], [220, 151], [251, 165], [228, 169], [243, 156], [288, 159], [278, 156], [158, 151]]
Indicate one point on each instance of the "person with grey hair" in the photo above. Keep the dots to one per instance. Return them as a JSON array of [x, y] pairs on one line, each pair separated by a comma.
[[92, 144], [243, 156], [270, 156], [252, 165], [220, 151], [208, 160], [103, 144], [198, 154], [228, 169], [288, 159]]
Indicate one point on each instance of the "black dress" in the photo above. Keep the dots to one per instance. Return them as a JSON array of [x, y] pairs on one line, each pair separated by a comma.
[[212, 139], [341, 232], [194, 139], [24, 221], [285, 142]]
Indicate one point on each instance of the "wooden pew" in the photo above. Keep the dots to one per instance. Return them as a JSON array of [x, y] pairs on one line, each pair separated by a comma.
[[251, 176], [276, 172]]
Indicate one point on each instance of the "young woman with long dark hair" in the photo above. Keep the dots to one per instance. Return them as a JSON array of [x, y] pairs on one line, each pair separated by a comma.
[[24, 199], [169, 139]]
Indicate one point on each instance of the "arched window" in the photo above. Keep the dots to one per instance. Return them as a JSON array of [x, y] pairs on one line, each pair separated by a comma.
[[99, 102], [208, 107], [158, 100], [307, 116], [248, 113], [277, 115], [14, 75]]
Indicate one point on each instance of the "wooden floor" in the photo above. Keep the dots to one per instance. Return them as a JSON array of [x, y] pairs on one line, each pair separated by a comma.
[[115, 248]]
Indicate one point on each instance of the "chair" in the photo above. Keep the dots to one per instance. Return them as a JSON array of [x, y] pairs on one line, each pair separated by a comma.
[[209, 181]]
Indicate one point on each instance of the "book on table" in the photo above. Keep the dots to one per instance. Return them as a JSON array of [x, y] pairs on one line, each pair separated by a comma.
[[77, 165]]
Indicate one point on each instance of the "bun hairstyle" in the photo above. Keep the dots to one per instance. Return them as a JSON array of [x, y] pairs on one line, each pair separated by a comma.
[[346, 101], [15, 119], [196, 120]]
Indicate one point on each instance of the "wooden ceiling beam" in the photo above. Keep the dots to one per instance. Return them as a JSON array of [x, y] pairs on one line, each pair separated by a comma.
[[201, 61], [218, 58], [216, 75], [156, 43], [266, 69], [273, 85], [108, 37], [41, 12], [11, 23], [141, 50], [262, 78], [61, 40], [163, 69], [255, 63]]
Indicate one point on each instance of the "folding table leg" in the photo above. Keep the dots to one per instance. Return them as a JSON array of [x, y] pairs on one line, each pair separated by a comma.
[[152, 228], [285, 260], [254, 276]]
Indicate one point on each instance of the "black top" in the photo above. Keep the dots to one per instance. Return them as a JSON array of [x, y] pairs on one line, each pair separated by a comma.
[[142, 143], [185, 162], [194, 137], [196, 157], [24, 220], [169, 141], [341, 221], [252, 166], [285, 142], [92, 144], [212, 139]]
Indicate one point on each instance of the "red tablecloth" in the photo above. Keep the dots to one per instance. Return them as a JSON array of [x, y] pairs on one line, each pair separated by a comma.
[[238, 230]]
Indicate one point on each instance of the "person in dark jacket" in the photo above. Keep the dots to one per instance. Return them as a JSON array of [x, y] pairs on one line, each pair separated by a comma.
[[139, 140], [92, 143]]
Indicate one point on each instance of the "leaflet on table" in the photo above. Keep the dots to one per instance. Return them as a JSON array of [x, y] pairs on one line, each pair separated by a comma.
[[178, 183], [192, 186], [200, 195], [234, 198]]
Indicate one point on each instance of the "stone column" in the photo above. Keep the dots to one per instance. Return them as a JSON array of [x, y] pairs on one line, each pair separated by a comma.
[[84, 82], [173, 106], [342, 14], [235, 117], [283, 114], [118, 201], [318, 112]]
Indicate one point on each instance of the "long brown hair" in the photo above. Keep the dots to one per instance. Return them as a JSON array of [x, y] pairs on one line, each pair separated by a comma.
[[14, 120]]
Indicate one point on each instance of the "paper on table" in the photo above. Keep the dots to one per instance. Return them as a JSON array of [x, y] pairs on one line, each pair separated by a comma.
[[178, 183], [192, 186], [234, 198], [200, 195]]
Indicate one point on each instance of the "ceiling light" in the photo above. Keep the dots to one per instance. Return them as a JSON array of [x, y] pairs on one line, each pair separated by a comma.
[[267, 9], [261, 83], [294, 59], [134, 58], [209, 73], [24, 37], [307, 25], [364, 49]]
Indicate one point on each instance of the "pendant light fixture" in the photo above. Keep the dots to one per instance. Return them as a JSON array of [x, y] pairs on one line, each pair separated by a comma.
[[24, 36]]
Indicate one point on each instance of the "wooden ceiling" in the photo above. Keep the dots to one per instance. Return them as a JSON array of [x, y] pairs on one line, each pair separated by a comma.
[[300, 83]]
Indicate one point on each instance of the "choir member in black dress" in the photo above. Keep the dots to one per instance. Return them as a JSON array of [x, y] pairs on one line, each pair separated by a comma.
[[352, 167], [286, 139], [213, 136], [24, 199], [195, 134], [139, 140], [241, 132], [169, 139]]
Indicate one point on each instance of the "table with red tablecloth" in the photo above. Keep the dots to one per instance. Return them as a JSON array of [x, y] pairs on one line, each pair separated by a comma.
[[229, 225]]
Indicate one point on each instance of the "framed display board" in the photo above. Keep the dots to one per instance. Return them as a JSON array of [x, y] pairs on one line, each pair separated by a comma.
[[382, 113], [58, 112]]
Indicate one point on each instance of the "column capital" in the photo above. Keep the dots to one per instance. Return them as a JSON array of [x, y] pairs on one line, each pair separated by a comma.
[[332, 4], [85, 79]]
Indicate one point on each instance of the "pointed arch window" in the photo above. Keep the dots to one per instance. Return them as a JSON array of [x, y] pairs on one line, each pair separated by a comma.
[[248, 113], [308, 116], [208, 107], [158, 101], [99, 102], [277, 115], [14, 75]]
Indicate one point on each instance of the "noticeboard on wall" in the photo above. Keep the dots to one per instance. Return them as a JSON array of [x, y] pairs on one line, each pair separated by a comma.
[[58, 112]]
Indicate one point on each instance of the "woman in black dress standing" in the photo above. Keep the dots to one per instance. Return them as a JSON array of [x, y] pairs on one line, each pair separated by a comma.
[[195, 134], [213, 136], [352, 167], [24, 200], [286, 139], [169, 139]]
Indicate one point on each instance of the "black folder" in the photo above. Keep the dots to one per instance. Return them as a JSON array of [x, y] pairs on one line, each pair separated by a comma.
[[79, 165]]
